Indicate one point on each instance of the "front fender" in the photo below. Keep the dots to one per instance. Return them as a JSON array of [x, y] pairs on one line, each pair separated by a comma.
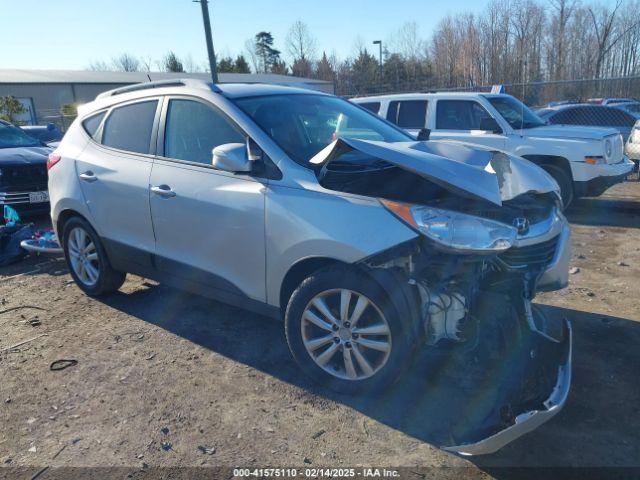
[[303, 224]]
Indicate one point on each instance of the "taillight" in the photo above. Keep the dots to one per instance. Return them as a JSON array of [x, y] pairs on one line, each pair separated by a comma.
[[52, 160]]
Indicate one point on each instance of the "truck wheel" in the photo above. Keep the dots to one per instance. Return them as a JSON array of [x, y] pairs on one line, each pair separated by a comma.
[[564, 181], [344, 332], [87, 260]]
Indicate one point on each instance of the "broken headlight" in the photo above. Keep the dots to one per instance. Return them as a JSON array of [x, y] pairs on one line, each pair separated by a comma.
[[454, 230]]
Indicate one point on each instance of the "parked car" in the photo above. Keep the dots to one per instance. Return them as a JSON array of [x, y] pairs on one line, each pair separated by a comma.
[[590, 116], [584, 161], [609, 101], [632, 108], [49, 134], [369, 249], [632, 148], [23, 172]]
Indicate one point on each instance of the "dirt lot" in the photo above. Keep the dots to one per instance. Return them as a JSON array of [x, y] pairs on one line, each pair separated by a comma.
[[161, 373]]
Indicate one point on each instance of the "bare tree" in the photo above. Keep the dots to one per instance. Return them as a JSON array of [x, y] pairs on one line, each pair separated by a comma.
[[299, 42], [126, 62]]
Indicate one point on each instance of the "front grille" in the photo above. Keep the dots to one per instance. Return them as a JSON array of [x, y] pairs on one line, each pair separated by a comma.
[[22, 175], [535, 255]]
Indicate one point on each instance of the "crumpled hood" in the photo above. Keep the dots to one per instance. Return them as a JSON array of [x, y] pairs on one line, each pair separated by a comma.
[[569, 131], [24, 155], [464, 169]]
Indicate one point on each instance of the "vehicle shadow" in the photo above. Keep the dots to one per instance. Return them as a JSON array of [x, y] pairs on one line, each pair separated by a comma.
[[430, 403], [605, 212]]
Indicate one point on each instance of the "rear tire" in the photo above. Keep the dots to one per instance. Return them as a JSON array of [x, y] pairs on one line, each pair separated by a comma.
[[564, 181], [87, 259], [367, 355]]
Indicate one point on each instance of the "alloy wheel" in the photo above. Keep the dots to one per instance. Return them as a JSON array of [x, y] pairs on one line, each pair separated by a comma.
[[346, 334], [83, 256]]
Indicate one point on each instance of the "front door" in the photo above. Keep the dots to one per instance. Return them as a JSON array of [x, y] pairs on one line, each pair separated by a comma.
[[461, 120], [209, 224]]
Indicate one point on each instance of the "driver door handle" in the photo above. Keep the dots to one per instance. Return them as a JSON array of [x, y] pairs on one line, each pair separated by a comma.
[[164, 191], [88, 176]]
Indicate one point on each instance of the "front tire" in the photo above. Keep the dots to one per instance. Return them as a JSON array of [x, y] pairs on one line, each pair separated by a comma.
[[87, 259], [344, 332], [564, 181]]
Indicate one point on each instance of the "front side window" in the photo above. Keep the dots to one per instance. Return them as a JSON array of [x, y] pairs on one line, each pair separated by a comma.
[[129, 127], [516, 113], [194, 129], [303, 124], [459, 115], [11, 136]]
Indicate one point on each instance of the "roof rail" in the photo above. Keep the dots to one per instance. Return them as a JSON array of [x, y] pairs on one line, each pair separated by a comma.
[[183, 82]]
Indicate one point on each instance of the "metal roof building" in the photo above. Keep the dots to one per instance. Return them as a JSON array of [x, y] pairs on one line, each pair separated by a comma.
[[44, 92]]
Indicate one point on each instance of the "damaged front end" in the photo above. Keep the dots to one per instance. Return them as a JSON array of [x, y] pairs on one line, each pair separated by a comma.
[[491, 235]]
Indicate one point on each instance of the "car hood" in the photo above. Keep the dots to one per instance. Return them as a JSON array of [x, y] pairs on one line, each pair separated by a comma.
[[24, 155], [568, 131], [464, 169]]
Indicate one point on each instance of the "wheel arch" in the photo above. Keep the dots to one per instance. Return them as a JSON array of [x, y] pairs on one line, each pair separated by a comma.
[[298, 272], [551, 160], [64, 216]]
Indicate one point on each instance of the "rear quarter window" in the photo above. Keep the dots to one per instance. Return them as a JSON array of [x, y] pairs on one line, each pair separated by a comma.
[[130, 127], [371, 106], [92, 123]]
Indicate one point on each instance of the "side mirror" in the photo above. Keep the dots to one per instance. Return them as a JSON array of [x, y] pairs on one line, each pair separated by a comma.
[[51, 127], [232, 157], [423, 135], [489, 124]]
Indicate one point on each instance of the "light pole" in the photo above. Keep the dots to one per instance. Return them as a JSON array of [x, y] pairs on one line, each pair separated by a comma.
[[207, 34], [379, 43]]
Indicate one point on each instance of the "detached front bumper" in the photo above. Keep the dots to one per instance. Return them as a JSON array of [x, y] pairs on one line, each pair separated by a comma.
[[594, 180], [529, 420]]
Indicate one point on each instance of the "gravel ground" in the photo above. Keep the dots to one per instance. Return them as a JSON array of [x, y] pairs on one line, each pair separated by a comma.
[[168, 379]]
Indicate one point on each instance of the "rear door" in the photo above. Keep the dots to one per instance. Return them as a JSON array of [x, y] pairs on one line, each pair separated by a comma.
[[209, 224], [114, 174], [461, 120], [408, 114]]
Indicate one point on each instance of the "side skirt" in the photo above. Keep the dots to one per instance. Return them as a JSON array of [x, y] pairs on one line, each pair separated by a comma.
[[138, 262]]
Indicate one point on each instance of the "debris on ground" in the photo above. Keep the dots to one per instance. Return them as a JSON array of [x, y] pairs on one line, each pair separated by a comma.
[[574, 270], [207, 450], [621, 263], [62, 364], [22, 343], [318, 434], [166, 446]]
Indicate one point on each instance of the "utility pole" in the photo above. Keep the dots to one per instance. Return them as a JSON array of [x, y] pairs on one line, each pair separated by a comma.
[[207, 33], [379, 43]]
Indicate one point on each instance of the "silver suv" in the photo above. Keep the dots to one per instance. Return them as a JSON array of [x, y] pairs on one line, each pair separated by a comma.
[[302, 205]]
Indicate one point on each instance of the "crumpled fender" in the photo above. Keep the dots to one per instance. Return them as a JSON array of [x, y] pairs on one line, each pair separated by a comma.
[[464, 169]]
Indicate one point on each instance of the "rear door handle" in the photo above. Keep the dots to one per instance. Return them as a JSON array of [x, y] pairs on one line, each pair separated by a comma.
[[88, 176], [164, 191]]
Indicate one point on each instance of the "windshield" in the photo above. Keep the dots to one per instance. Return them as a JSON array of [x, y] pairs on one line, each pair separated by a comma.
[[516, 113], [11, 136], [302, 125]]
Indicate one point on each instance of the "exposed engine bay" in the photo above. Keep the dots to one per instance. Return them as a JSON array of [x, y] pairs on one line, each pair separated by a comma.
[[477, 316]]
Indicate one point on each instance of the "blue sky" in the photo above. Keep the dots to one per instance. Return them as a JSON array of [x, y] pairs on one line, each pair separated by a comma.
[[70, 34]]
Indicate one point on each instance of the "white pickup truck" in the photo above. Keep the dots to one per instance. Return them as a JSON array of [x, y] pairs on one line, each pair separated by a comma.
[[585, 161]]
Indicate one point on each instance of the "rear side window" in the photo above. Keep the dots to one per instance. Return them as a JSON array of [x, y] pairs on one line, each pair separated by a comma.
[[459, 115], [193, 129], [412, 114], [372, 106], [92, 123], [129, 127]]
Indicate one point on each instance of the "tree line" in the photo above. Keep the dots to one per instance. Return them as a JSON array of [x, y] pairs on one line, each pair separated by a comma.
[[510, 41]]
